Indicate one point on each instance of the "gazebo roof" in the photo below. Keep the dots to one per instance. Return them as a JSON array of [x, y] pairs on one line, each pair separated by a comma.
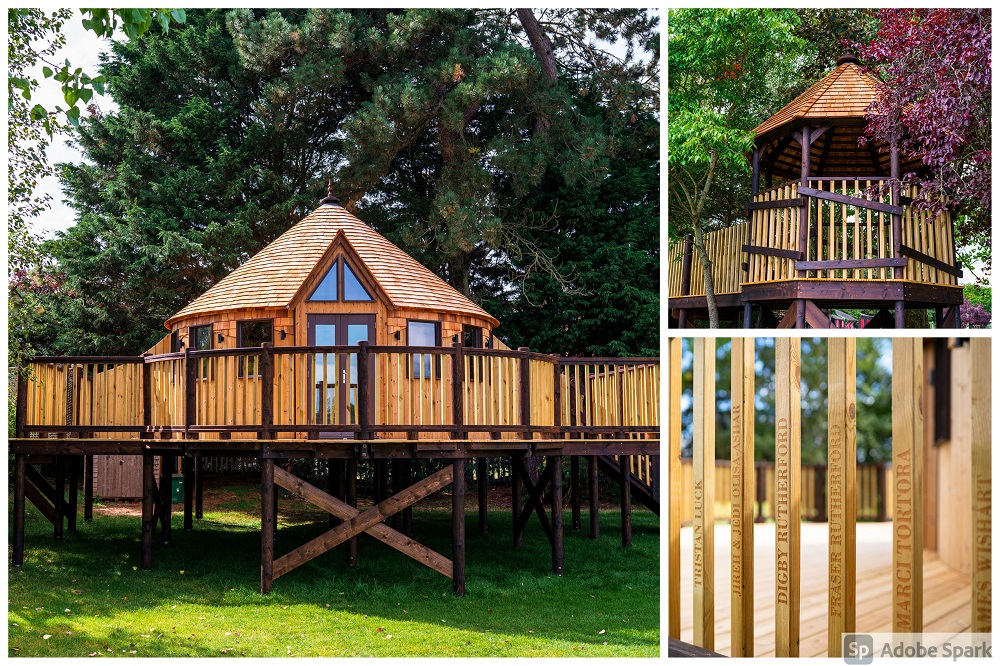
[[273, 277], [843, 93]]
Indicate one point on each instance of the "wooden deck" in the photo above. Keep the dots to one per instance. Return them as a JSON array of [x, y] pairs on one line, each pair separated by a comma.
[[947, 594]]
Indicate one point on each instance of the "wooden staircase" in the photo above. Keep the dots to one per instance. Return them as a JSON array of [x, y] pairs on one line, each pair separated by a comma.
[[644, 488]]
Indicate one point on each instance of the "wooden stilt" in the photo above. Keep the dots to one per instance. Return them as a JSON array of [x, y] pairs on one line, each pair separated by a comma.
[[515, 498], [397, 478], [199, 472], [74, 492], [574, 489], [352, 500], [18, 541], [900, 315], [88, 488], [60, 503], [626, 500], [407, 526], [188, 463], [268, 525], [483, 486], [381, 472], [336, 477], [594, 498], [557, 522], [165, 498], [747, 315], [148, 512], [458, 527]]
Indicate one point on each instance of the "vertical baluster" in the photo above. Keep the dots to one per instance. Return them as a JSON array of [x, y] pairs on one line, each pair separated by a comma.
[[703, 449]]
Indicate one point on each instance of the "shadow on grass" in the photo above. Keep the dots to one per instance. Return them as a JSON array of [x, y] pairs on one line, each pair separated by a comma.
[[607, 601]]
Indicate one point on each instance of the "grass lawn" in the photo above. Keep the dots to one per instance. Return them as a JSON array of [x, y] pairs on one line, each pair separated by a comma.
[[86, 596]]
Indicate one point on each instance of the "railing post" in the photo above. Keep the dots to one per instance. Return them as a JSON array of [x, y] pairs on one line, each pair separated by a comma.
[[18, 541], [267, 390], [21, 407], [787, 487], [897, 220], [557, 395], [742, 496], [803, 245], [686, 259], [703, 523], [364, 392], [190, 391], [525, 386], [458, 391]]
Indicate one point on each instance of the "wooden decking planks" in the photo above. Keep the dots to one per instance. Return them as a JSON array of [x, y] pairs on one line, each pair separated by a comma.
[[947, 594]]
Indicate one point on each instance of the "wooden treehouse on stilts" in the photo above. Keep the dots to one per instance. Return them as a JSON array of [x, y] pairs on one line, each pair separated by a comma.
[[792, 587], [831, 227], [331, 343]]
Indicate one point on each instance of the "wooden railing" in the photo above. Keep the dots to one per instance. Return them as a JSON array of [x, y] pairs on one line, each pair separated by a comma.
[[851, 236], [361, 390], [874, 501]]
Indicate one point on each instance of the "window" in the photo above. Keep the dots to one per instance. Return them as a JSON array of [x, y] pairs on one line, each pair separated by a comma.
[[253, 334], [472, 336], [200, 337], [424, 334], [340, 283], [175, 343]]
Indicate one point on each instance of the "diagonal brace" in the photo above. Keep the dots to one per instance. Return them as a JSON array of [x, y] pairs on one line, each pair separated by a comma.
[[356, 522], [534, 502]]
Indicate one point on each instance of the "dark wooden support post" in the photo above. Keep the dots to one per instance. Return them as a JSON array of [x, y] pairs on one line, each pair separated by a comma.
[[148, 510], [88, 488], [595, 509], [900, 312], [190, 391], [188, 463], [755, 183], [166, 464], [686, 259], [397, 486], [574, 489], [352, 499], [60, 496], [515, 498], [407, 526], [800, 314], [482, 486], [74, 491], [458, 391], [525, 386], [803, 245], [626, 500], [747, 315], [268, 525], [335, 483], [557, 521], [897, 220], [458, 527], [199, 472], [939, 317], [364, 392], [17, 558]]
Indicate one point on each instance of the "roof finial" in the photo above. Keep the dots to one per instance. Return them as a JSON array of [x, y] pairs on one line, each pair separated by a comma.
[[329, 199], [848, 58]]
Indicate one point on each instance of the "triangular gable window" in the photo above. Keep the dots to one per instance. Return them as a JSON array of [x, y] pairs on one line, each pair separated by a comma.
[[353, 289], [327, 289]]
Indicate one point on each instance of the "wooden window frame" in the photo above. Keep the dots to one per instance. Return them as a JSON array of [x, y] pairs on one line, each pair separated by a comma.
[[342, 285], [239, 341], [211, 345], [437, 343]]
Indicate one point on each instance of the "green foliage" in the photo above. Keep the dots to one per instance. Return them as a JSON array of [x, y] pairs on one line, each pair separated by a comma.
[[437, 126], [979, 295]]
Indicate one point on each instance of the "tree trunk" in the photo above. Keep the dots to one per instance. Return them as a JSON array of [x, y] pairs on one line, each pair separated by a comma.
[[542, 48], [706, 263]]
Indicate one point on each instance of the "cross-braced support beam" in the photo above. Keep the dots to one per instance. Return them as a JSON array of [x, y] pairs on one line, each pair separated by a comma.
[[355, 522], [551, 475]]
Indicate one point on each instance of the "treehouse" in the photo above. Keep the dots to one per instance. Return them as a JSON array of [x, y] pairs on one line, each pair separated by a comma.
[[830, 227], [331, 343], [815, 551]]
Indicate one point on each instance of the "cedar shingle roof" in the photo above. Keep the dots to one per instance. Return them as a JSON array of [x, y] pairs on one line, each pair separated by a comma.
[[273, 276], [843, 93]]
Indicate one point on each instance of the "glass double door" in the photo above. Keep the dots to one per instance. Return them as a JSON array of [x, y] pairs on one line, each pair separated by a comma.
[[335, 375]]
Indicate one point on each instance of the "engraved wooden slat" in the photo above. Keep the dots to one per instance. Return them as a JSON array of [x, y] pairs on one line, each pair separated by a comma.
[[855, 238], [703, 524], [832, 235], [742, 495], [787, 494], [982, 567], [907, 463], [843, 228], [841, 491]]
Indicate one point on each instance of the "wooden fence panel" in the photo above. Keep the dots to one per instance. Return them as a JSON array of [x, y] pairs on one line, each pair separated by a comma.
[[787, 493], [743, 495], [704, 515], [907, 462], [841, 491]]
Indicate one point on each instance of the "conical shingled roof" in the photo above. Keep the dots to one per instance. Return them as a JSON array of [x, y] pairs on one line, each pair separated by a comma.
[[843, 93], [273, 276]]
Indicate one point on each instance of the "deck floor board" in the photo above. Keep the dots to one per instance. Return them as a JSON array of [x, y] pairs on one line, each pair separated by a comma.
[[947, 594]]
